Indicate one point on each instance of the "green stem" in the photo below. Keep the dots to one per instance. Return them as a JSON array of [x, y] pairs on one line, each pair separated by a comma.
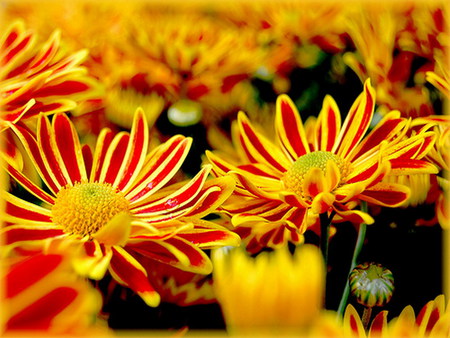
[[356, 252]]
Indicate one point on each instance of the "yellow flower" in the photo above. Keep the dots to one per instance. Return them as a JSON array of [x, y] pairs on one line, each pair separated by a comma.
[[280, 180], [112, 209], [272, 293]]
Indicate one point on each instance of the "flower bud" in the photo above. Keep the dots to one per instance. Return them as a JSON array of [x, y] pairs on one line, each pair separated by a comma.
[[371, 284]]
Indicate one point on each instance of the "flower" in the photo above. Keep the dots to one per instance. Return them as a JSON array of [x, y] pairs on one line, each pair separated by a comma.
[[43, 294], [38, 77], [272, 292], [433, 320], [109, 209], [279, 182]]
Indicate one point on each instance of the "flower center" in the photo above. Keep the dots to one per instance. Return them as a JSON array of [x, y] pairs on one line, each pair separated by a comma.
[[86, 207], [293, 178]]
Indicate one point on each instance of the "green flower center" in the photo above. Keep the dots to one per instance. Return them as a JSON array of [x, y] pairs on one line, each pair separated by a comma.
[[86, 207], [293, 178]]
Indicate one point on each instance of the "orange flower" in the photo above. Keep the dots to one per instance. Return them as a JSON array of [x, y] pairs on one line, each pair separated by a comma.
[[279, 181], [38, 78], [109, 209]]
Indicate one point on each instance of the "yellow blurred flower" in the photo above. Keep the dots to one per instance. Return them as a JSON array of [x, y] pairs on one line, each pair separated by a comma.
[[273, 293]]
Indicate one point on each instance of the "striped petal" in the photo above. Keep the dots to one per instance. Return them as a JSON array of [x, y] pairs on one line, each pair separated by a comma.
[[353, 326], [176, 252], [29, 185], [68, 144], [328, 125], [135, 153], [357, 122], [50, 156], [411, 167], [114, 158], [20, 211], [101, 147], [127, 271], [219, 190], [207, 235], [160, 167], [289, 128], [177, 199], [386, 194], [17, 234], [388, 128], [260, 149]]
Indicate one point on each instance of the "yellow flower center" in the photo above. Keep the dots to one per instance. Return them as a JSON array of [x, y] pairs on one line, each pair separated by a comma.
[[293, 178], [86, 207]]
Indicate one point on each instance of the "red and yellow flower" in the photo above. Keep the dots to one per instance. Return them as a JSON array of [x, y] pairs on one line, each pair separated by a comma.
[[433, 320], [42, 294], [279, 182], [38, 77], [110, 208]]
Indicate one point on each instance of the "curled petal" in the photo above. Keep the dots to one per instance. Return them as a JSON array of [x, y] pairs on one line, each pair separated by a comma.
[[322, 202], [116, 231]]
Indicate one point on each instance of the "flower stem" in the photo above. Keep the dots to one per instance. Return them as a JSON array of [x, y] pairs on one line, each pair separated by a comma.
[[356, 252], [366, 317]]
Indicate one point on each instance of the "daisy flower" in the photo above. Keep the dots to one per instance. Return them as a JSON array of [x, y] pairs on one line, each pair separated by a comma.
[[283, 178], [38, 78], [110, 208]]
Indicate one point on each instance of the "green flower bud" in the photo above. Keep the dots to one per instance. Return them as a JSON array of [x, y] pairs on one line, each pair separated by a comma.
[[371, 284]]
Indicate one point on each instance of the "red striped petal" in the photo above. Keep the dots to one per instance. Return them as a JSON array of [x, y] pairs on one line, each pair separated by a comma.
[[386, 194], [218, 190], [69, 147], [135, 153], [129, 272], [15, 234], [101, 148], [34, 269], [357, 122], [40, 314], [328, 124], [51, 158], [177, 199], [22, 211], [389, 127], [261, 149], [289, 128], [29, 185], [409, 167], [160, 167], [114, 158]]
